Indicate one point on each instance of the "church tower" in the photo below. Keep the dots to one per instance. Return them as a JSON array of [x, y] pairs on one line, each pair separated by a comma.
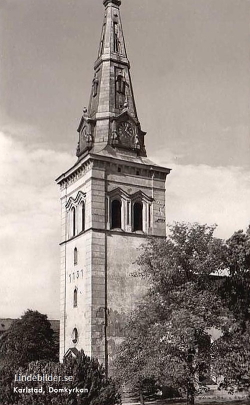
[[112, 200]]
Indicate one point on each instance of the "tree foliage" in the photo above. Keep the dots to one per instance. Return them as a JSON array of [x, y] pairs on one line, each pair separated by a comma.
[[236, 288], [28, 339], [168, 335], [231, 353], [231, 359], [82, 381]]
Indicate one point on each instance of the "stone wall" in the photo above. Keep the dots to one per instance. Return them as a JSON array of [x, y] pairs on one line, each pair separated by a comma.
[[103, 275], [124, 290]]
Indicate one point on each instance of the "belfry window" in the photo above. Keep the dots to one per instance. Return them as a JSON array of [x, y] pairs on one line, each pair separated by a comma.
[[83, 216], [75, 298], [137, 216], [75, 335], [75, 256], [116, 214], [102, 40], [116, 38], [121, 84], [95, 87], [73, 221]]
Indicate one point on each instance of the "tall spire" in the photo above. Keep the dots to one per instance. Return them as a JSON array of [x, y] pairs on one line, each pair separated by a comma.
[[111, 118]]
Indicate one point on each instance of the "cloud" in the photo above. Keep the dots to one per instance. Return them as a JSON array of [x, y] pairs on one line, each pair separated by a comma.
[[210, 195], [30, 227], [30, 216]]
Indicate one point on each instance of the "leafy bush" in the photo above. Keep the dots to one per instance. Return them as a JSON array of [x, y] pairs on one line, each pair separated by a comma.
[[28, 339], [82, 381]]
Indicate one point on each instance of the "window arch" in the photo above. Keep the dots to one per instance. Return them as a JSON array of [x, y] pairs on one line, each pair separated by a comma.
[[116, 208], [138, 216], [75, 214], [83, 216], [73, 221], [75, 298], [75, 335], [75, 256]]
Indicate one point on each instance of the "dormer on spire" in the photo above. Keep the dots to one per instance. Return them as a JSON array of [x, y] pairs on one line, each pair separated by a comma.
[[112, 94]]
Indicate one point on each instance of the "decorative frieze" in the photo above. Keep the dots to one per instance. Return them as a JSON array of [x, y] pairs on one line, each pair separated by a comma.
[[76, 175]]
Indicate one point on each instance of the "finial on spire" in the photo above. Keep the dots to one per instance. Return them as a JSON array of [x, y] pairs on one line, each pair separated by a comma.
[[115, 2]]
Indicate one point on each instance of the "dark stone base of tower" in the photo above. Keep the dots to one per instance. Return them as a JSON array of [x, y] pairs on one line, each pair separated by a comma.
[[112, 200]]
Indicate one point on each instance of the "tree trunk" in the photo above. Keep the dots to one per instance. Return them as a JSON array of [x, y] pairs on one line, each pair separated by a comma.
[[190, 392], [141, 397], [191, 380], [190, 397]]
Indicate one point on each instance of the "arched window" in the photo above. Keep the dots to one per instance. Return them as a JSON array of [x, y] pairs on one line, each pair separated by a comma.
[[75, 335], [73, 221], [75, 298], [83, 216], [116, 38], [116, 214], [95, 86], [121, 84], [137, 216], [75, 256]]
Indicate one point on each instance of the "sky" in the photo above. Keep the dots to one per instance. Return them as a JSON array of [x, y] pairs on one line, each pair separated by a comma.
[[190, 67]]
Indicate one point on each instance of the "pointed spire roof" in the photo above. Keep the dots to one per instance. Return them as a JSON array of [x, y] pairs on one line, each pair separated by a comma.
[[111, 118]]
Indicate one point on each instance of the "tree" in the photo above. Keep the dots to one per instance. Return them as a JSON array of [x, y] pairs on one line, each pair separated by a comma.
[[231, 359], [28, 339], [235, 289], [231, 353], [168, 336], [79, 380]]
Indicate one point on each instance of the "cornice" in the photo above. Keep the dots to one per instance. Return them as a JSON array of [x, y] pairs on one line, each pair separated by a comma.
[[85, 164], [112, 58], [110, 232], [148, 166], [81, 167]]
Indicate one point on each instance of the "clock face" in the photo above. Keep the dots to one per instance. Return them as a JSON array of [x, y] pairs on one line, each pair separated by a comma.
[[125, 132]]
